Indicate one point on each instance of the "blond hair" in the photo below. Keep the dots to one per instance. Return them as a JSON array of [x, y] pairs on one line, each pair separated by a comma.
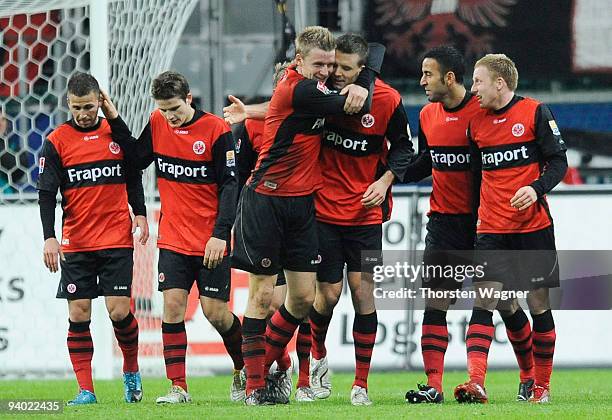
[[501, 66], [314, 37], [279, 72]]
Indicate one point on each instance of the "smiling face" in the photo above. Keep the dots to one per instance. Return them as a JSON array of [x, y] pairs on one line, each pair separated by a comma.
[[177, 111], [84, 109], [433, 80], [486, 88], [316, 64], [346, 70]]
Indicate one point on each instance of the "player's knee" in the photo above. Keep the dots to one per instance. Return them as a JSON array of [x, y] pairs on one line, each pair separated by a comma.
[[119, 312], [174, 310], [79, 311], [217, 315]]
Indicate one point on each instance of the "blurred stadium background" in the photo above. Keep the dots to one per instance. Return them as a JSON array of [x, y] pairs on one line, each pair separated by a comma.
[[562, 50]]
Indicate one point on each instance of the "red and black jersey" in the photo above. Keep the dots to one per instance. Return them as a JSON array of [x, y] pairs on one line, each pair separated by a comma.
[[444, 150], [248, 135], [514, 149], [195, 166], [89, 169], [355, 154], [288, 161]]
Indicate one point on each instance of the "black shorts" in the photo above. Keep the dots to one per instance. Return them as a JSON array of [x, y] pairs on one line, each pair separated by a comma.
[[340, 245], [449, 242], [271, 232], [82, 270], [521, 261], [179, 271]]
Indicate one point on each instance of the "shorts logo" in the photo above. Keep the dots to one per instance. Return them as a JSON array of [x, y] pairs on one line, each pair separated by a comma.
[[317, 261], [120, 288], [199, 147], [114, 148], [161, 277], [71, 288], [265, 263], [65, 241], [518, 130], [41, 165], [367, 120]]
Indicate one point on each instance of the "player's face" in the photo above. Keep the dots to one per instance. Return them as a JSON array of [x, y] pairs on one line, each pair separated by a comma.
[[346, 70], [432, 80], [84, 109], [485, 87], [317, 64], [177, 111]]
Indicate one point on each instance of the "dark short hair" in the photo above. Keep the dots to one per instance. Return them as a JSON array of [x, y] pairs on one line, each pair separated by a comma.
[[168, 85], [81, 84], [353, 44], [449, 58]]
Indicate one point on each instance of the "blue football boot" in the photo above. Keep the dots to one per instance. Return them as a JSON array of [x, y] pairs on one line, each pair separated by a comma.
[[132, 385]]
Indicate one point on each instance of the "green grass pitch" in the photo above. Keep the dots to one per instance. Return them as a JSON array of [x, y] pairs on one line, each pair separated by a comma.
[[575, 394]]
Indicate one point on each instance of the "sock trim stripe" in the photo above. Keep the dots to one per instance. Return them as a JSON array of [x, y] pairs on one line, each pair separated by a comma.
[[80, 350], [430, 347], [175, 347], [174, 360], [363, 359], [435, 336], [83, 338], [279, 330], [479, 349], [543, 355], [253, 353], [478, 335], [522, 352], [364, 345], [541, 343], [519, 342], [274, 343]]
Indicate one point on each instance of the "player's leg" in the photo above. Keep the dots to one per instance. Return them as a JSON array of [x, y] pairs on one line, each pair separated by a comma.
[[78, 285], [357, 241], [258, 235], [330, 274], [176, 276], [299, 258], [214, 287], [116, 268], [283, 362], [544, 338]]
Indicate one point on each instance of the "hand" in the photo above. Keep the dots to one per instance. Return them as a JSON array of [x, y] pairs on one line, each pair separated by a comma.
[[376, 193], [235, 112], [108, 108], [356, 97], [51, 250], [213, 253], [141, 223], [524, 197]]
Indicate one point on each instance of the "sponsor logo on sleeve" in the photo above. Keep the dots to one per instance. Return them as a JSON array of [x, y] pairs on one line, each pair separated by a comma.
[[323, 88], [238, 144], [199, 147], [41, 165], [554, 128], [230, 158]]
